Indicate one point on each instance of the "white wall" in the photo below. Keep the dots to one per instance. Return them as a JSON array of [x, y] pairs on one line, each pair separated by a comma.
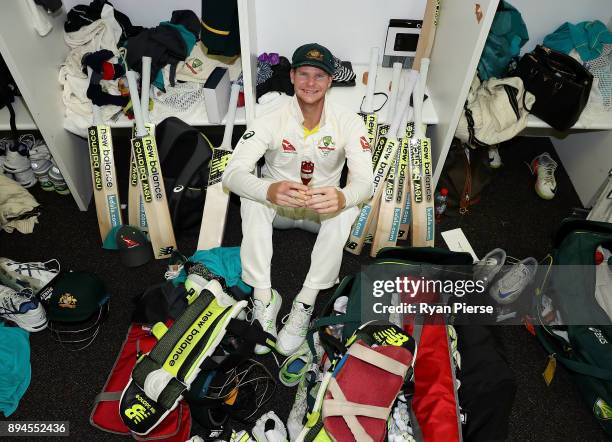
[[146, 13], [542, 17], [349, 28]]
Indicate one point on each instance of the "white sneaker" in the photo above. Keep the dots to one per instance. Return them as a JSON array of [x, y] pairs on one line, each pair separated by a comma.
[[509, 287], [543, 166], [488, 267], [269, 428], [39, 150], [293, 334], [41, 169], [399, 428], [17, 164], [22, 308], [32, 275], [495, 161], [266, 315], [59, 184]]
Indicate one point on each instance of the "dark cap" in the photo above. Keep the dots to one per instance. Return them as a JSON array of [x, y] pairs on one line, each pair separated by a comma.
[[134, 248], [74, 297], [313, 54]]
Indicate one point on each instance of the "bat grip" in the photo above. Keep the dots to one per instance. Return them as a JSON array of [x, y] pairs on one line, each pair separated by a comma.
[[146, 86], [133, 86], [231, 116], [403, 104], [369, 98], [419, 94], [97, 118], [395, 80]]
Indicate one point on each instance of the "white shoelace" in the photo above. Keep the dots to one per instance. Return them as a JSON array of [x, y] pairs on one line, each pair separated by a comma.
[[298, 320]]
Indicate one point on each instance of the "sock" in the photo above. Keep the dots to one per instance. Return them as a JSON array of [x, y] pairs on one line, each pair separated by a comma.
[[264, 295], [307, 296]]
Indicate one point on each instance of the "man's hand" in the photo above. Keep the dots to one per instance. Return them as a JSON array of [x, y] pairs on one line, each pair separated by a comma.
[[325, 200], [288, 194]]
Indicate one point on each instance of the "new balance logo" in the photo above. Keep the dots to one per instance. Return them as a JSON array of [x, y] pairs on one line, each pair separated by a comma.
[[136, 413], [166, 250]]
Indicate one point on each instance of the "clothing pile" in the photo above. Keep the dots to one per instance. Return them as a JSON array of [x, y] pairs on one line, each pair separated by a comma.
[[104, 39]]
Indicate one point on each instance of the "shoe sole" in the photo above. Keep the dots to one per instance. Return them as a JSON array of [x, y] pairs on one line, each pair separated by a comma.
[[27, 327]]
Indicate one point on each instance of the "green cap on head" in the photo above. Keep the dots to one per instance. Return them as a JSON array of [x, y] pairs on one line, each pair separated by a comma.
[[313, 54]]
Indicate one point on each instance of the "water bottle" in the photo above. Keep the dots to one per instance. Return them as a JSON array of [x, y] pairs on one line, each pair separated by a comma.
[[441, 198]]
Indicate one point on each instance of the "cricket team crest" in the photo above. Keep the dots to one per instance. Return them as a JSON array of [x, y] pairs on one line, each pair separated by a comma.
[[67, 301], [365, 145], [326, 145], [314, 54]]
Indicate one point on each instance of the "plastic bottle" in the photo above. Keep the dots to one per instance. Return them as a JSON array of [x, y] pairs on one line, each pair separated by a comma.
[[440, 200]]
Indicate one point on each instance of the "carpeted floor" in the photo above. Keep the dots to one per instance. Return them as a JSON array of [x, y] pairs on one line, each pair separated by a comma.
[[510, 216]]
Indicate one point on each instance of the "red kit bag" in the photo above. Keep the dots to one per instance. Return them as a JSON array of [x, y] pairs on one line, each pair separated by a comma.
[[105, 413]]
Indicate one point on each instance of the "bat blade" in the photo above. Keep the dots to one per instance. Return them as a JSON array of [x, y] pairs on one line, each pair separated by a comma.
[[214, 215], [104, 179], [406, 200], [154, 196], [136, 211]]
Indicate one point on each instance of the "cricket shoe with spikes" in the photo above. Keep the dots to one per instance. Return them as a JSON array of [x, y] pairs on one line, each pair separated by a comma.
[[543, 167], [511, 284], [32, 275], [22, 308], [293, 334], [266, 315]]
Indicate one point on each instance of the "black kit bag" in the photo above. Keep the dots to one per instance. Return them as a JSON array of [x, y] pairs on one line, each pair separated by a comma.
[[184, 154], [560, 84]]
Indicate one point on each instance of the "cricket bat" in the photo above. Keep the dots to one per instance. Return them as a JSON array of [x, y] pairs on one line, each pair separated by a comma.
[[382, 132], [393, 199], [384, 225], [217, 198], [151, 181], [404, 176], [136, 211], [383, 161], [103, 173], [422, 201], [370, 117], [421, 192]]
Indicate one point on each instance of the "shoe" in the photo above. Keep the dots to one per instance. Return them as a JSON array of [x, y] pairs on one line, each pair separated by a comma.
[[295, 366], [39, 150], [32, 275], [41, 169], [59, 184], [241, 436], [266, 315], [17, 164], [269, 428], [399, 428], [342, 74], [495, 161], [295, 421], [509, 287], [488, 267], [543, 166], [22, 308], [293, 334]]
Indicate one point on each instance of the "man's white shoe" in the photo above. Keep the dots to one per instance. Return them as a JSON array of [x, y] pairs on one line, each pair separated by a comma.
[[33, 275], [495, 161], [543, 166], [293, 334], [488, 267], [266, 315], [22, 308], [509, 287]]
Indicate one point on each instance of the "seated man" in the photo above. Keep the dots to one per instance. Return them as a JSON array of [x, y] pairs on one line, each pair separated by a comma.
[[305, 144]]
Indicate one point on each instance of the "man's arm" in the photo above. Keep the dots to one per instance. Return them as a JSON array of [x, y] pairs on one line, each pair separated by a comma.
[[238, 176]]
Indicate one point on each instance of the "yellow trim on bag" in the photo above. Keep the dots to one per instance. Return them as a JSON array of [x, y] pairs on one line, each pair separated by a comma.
[[213, 30]]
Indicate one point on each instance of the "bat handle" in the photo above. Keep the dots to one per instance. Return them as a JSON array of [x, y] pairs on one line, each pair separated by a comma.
[[403, 104], [395, 80], [146, 86], [97, 118], [419, 94], [231, 116], [369, 98], [133, 86]]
